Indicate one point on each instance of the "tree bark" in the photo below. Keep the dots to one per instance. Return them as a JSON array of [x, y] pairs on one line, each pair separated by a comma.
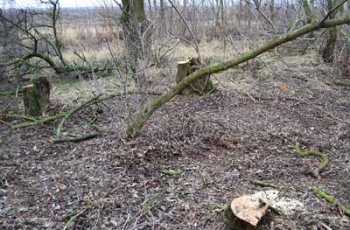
[[150, 9], [183, 70], [272, 10], [187, 67], [36, 97], [134, 128], [307, 10], [249, 14], [328, 54], [135, 25], [171, 20], [163, 26], [239, 13], [183, 12]]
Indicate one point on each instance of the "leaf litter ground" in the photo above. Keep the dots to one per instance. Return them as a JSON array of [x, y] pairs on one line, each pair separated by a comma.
[[214, 143]]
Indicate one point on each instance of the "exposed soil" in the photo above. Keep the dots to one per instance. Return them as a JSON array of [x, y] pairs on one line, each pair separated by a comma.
[[218, 140]]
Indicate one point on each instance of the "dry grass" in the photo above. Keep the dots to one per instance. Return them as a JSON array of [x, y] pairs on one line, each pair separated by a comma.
[[73, 34], [265, 74], [99, 54], [68, 91]]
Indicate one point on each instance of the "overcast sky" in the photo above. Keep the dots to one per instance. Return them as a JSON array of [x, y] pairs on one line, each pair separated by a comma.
[[64, 3]]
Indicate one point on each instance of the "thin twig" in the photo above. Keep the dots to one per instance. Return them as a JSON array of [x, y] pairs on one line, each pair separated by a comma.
[[85, 105], [257, 7], [189, 29], [332, 10]]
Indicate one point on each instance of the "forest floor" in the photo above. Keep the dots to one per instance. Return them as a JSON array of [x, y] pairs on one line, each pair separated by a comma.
[[217, 141]]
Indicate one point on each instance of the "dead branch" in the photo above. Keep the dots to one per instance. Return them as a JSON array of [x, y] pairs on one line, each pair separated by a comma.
[[17, 116], [333, 10], [33, 122], [263, 184], [331, 200], [68, 114], [305, 153], [84, 137], [257, 7], [12, 128]]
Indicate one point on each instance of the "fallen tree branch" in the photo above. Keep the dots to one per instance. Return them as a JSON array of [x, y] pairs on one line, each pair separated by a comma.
[[75, 217], [340, 83], [29, 56], [69, 113], [66, 114], [17, 116], [331, 200], [5, 123], [305, 153], [79, 138], [9, 93], [54, 117], [134, 128], [76, 139], [263, 184]]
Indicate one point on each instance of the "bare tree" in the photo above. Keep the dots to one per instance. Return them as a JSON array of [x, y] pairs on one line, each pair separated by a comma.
[[136, 28], [163, 26], [328, 54], [37, 41]]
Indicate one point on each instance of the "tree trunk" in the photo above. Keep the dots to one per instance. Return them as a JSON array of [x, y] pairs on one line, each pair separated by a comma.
[[329, 51], [187, 67], [222, 13], [171, 20], [152, 15], [249, 13], [193, 18], [155, 8], [239, 13], [183, 70], [36, 97], [183, 12], [223, 24], [163, 26], [307, 10], [135, 24], [272, 10]]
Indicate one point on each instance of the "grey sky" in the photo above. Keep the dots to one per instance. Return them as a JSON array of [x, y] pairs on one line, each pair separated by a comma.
[[64, 3]]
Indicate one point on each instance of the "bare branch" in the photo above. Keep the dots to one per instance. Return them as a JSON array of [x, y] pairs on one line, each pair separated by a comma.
[[189, 29]]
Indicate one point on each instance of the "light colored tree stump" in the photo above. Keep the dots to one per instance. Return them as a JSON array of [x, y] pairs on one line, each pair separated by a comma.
[[187, 67], [36, 97]]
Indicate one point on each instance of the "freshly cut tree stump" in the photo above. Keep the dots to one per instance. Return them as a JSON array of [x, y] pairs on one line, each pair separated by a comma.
[[187, 67], [183, 70], [36, 97]]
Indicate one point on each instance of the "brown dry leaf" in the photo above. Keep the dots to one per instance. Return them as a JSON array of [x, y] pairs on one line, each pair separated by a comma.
[[49, 142], [247, 208], [60, 186], [285, 88], [229, 144]]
